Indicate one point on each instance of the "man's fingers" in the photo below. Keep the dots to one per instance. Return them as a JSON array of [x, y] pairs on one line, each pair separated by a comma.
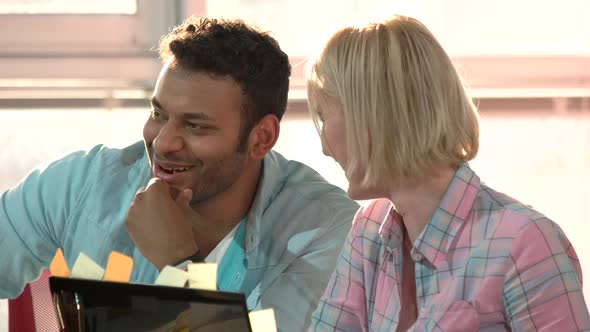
[[184, 197], [140, 190], [156, 182], [155, 186]]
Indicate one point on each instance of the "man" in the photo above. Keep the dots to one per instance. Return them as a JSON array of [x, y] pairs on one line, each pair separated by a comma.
[[217, 190]]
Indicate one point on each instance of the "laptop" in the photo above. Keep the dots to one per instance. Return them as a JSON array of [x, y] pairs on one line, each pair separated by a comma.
[[93, 306]]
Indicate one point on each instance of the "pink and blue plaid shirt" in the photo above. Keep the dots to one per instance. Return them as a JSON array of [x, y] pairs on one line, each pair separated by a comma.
[[483, 262]]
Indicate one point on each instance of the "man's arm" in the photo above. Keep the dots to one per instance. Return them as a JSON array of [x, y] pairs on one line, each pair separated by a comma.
[[32, 219], [343, 307], [295, 293]]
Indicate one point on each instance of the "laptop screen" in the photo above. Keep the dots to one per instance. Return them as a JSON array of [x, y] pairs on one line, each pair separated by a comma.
[[92, 306]]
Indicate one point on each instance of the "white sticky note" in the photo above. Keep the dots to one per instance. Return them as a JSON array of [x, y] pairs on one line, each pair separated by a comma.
[[263, 320], [202, 276], [171, 276], [86, 268]]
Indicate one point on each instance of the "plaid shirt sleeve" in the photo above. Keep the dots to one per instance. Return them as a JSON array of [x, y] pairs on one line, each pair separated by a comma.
[[543, 289], [343, 305]]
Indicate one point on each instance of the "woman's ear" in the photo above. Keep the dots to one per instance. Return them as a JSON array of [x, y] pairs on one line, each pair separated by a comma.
[[263, 136]]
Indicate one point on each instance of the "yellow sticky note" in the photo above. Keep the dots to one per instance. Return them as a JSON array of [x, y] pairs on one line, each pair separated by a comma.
[[171, 276], [86, 268], [202, 276], [263, 320], [118, 268], [58, 266]]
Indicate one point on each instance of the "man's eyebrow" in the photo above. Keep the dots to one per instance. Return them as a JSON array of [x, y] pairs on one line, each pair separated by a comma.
[[188, 115], [197, 116]]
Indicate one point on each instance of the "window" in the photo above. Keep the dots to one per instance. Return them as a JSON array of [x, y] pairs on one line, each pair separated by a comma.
[[464, 27], [68, 7], [82, 39]]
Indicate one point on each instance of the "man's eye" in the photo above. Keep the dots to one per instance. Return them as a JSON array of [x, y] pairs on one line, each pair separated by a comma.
[[191, 125], [155, 114]]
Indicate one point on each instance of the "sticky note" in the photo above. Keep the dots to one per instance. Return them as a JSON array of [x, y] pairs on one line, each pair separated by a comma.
[[58, 266], [202, 276], [171, 276], [86, 268], [263, 320], [119, 267]]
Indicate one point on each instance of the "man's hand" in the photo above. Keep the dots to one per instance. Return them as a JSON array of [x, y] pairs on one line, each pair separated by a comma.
[[160, 226]]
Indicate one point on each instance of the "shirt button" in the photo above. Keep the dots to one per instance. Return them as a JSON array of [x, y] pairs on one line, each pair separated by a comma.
[[416, 256]]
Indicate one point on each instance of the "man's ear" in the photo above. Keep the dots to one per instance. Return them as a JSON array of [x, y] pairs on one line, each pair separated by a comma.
[[263, 136]]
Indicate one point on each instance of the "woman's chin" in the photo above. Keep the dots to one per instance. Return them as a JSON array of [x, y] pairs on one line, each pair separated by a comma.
[[362, 194], [358, 194]]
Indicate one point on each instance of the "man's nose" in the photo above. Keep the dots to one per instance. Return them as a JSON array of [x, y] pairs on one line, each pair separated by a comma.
[[169, 140]]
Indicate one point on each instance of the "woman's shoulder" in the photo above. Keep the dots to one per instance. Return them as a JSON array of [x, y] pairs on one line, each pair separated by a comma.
[[508, 211]]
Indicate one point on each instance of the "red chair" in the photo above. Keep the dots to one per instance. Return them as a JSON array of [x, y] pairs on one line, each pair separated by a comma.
[[33, 310]]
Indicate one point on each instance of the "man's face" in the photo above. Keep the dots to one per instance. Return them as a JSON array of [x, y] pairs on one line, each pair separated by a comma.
[[192, 134]]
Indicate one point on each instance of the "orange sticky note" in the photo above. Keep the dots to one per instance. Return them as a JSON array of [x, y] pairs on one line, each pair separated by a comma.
[[58, 266], [119, 267]]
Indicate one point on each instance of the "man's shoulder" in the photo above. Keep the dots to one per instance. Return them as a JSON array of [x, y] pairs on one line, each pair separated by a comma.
[[295, 178], [97, 164], [300, 201], [103, 154], [121, 157], [114, 166]]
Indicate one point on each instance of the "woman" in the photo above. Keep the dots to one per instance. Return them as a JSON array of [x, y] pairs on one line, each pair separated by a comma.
[[450, 253]]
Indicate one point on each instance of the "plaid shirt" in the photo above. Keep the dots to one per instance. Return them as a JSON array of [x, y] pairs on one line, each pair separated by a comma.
[[483, 262]]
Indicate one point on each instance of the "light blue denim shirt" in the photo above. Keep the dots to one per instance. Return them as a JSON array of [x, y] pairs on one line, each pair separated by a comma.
[[293, 232]]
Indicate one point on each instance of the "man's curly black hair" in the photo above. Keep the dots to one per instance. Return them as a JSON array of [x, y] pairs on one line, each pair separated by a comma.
[[230, 47]]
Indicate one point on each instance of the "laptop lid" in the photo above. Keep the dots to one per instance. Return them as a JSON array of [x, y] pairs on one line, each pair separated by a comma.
[[93, 306]]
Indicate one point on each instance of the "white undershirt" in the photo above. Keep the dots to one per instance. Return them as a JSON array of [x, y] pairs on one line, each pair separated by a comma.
[[218, 252], [220, 249]]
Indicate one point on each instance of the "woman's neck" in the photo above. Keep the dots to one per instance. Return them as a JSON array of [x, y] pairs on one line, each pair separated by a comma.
[[417, 200]]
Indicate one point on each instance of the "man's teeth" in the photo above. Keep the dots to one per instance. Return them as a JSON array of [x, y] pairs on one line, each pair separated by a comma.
[[174, 170]]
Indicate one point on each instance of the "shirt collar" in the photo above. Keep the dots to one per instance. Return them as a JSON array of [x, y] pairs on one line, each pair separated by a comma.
[[455, 207], [268, 188], [391, 230]]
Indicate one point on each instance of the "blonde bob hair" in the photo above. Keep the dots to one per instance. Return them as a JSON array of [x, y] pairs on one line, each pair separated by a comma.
[[404, 105]]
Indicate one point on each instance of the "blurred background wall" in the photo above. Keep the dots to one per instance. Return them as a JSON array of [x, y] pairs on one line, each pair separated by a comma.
[[74, 73]]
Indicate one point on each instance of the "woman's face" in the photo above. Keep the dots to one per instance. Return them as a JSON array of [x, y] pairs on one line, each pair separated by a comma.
[[333, 136], [334, 144], [333, 131]]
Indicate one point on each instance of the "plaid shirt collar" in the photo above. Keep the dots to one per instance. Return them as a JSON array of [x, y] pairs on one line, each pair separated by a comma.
[[434, 241]]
